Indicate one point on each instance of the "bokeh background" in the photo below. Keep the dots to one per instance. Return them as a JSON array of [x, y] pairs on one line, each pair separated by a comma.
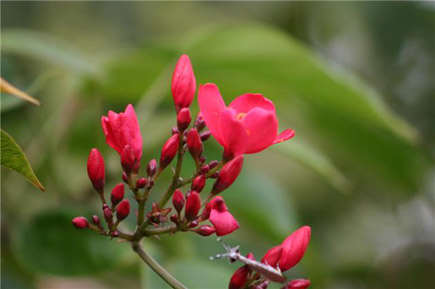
[[355, 80]]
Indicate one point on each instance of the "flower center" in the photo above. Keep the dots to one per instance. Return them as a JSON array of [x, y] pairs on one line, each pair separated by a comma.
[[240, 115]]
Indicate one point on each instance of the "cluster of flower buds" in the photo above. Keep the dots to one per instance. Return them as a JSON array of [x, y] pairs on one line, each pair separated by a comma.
[[281, 258], [248, 125]]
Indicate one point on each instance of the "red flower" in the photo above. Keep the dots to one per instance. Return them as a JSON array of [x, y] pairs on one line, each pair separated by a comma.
[[183, 83], [122, 129], [222, 220], [249, 125], [290, 252]]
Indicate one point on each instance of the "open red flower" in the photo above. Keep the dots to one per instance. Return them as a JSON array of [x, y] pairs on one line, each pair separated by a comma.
[[222, 220], [122, 129], [248, 125]]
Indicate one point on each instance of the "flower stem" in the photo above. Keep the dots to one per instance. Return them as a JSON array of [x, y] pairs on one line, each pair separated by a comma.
[[165, 275]]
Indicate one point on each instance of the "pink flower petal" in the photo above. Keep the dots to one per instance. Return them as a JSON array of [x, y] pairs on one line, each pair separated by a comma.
[[234, 134], [223, 222], [211, 105], [283, 136], [246, 102], [261, 128]]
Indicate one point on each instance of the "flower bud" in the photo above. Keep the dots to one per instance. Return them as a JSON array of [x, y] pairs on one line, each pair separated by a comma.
[[297, 284], [293, 248], [107, 213], [125, 177], [213, 164], [193, 204], [123, 210], [152, 167], [178, 200], [239, 278], [80, 222], [96, 220], [205, 213], [174, 218], [117, 194], [114, 234], [183, 119], [183, 83], [128, 161], [205, 169], [175, 130], [205, 135], [194, 143], [198, 183], [199, 122], [214, 175], [205, 230], [193, 224], [141, 183], [228, 175], [96, 170], [202, 159], [169, 150]]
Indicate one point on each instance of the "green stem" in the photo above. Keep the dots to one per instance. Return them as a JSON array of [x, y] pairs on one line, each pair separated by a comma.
[[165, 275], [160, 231]]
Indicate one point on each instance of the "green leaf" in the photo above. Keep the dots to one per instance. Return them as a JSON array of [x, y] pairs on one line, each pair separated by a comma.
[[12, 157], [50, 244]]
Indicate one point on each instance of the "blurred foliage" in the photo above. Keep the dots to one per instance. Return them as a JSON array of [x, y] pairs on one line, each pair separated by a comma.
[[355, 80]]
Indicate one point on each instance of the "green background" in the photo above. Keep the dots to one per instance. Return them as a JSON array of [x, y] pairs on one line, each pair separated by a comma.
[[354, 80]]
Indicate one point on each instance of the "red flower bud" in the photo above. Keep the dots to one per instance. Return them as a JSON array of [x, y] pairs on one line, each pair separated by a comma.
[[239, 278], [107, 213], [272, 256], [193, 204], [117, 194], [183, 83], [194, 143], [183, 119], [198, 183], [80, 222], [123, 210], [96, 220], [174, 218], [152, 167], [205, 212], [206, 230], [199, 122], [178, 200], [169, 150], [228, 175], [205, 169], [213, 164], [293, 248], [193, 224], [205, 135], [115, 234], [128, 161], [96, 170], [297, 284], [141, 183], [125, 177]]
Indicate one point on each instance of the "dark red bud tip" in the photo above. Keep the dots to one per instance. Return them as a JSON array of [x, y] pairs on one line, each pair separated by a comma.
[[206, 230], [202, 159], [213, 164], [193, 224], [194, 143], [96, 220], [193, 205], [178, 200], [123, 210], [107, 213], [205, 169], [117, 194], [297, 284], [96, 170], [128, 161], [141, 183], [205, 135], [198, 183], [80, 222], [183, 119], [169, 150], [199, 123], [152, 167], [125, 177], [114, 234], [228, 175], [174, 218]]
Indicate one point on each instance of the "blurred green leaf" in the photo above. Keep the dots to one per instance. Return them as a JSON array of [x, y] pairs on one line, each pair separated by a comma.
[[13, 157], [49, 49], [50, 244]]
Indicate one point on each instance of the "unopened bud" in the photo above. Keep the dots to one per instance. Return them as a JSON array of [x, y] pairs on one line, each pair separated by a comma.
[[239, 278], [114, 234], [183, 83], [107, 213], [169, 150], [117, 194], [193, 224], [202, 159], [141, 183], [205, 169], [205, 213], [206, 230], [96, 220], [152, 167], [125, 177], [96, 170], [194, 143], [205, 135], [297, 284], [123, 210], [228, 175], [178, 200], [193, 204], [183, 119], [213, 164], [174, 218], [175, 130], [214, 175], [80, 222], [128, 161], [198, 183], [199, 123]]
